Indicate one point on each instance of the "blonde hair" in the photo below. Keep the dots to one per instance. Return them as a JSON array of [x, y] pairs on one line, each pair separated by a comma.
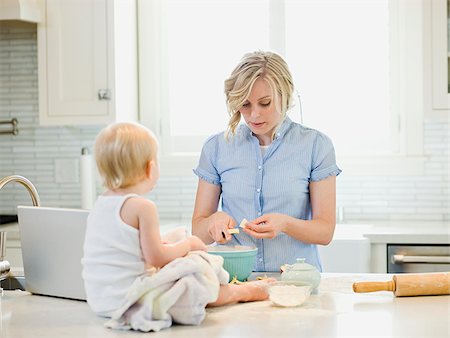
[[122, 152], [265, 65]]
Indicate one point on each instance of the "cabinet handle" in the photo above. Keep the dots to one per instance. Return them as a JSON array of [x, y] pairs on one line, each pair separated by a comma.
[[104, 94], [402, 259]]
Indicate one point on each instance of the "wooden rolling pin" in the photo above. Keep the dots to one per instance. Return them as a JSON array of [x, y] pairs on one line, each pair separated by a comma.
[[420, 284]]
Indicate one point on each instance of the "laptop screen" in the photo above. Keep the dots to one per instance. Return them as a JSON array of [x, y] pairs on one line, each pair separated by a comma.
[[52, 247]]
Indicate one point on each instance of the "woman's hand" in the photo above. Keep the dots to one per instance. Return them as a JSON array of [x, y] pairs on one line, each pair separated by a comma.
[[218, 225], [267, 226]]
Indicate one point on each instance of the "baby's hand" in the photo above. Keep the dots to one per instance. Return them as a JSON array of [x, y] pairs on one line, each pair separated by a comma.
[[196, 243]]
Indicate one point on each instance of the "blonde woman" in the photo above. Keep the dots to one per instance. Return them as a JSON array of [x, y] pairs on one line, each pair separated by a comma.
[[123, 237], [277, 174]]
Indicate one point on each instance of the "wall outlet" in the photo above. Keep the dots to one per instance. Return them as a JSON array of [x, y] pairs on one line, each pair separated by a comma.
[[67, 171]]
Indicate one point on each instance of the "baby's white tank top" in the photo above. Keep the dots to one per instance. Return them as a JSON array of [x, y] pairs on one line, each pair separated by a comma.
[[112, 257]]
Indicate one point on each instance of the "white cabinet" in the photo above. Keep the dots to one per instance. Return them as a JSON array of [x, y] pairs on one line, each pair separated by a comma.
[[87, 55], [349, 251], [440, 56], [350, 254]]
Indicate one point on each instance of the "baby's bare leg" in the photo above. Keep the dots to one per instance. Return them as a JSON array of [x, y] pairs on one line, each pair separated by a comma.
[[246, 292]]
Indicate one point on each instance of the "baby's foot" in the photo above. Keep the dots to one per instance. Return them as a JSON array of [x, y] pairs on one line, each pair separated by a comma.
[[257, 290]]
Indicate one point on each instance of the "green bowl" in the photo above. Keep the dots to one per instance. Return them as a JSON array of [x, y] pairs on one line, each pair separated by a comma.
[[238, 260]]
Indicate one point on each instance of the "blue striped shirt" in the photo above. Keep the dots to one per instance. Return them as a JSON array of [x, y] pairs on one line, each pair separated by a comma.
[[253, 184]]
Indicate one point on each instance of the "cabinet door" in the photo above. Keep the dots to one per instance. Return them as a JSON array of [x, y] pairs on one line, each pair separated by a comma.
[[440, 54], [73, 62]]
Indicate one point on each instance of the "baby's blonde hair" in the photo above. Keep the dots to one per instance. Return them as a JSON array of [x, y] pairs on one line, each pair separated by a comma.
[[122, 152], [265, 65]]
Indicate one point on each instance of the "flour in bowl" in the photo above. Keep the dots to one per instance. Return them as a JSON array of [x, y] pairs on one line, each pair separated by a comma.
[[288, 295]]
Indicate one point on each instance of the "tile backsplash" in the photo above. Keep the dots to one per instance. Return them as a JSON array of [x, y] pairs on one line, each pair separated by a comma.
[[34, 152]]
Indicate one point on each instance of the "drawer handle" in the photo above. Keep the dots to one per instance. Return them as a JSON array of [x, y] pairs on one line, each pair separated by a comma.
[[104, 94], [401, 259]]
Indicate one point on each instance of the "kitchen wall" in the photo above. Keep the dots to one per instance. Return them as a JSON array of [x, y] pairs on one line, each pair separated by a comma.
[[35, 151]]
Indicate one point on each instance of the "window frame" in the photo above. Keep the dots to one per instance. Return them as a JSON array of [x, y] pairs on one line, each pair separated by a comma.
[[406, 77]]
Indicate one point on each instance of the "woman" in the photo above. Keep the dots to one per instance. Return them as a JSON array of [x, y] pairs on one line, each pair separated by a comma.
[[276, 173]]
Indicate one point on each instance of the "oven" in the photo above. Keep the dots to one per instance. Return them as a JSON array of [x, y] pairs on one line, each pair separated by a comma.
[[417, 258]]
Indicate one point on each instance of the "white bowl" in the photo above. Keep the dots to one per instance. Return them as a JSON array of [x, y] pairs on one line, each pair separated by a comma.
[[288, 295]]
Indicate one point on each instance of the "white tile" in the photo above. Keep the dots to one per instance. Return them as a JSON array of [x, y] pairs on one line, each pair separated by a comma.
[[33, 151]]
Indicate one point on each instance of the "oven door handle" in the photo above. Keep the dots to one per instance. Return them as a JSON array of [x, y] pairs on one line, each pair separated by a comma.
[[402, 259]]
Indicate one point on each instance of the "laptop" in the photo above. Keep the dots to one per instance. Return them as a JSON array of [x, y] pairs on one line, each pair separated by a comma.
[[52, 247]]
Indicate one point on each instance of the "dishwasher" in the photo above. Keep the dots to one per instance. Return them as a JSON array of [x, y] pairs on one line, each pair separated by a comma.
[[416, 258]]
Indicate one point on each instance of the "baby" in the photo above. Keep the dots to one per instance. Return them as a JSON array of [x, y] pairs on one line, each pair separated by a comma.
[[123, 237]]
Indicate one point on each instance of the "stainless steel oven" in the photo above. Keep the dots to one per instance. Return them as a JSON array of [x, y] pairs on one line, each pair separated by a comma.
[[418, 258]]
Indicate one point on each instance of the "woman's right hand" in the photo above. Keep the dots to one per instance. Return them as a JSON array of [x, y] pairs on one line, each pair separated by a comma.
[[218, 225]]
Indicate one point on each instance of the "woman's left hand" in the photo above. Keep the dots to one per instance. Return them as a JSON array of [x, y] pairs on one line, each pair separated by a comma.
[[267, 226]]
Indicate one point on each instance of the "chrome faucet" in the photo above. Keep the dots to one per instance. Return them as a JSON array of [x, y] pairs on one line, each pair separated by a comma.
[[4, 264], [26, 183]]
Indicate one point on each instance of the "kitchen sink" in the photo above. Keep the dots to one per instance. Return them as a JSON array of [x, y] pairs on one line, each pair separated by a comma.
[[13, 283], [5, 219]]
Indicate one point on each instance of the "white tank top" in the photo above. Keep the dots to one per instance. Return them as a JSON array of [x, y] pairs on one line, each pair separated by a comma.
[[112, 257]]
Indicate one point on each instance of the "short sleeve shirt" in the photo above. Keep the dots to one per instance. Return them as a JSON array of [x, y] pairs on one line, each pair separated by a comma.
[[253, 184]]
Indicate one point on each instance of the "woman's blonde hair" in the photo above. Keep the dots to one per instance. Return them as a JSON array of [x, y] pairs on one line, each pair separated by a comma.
[[265, 65], [122, 152]]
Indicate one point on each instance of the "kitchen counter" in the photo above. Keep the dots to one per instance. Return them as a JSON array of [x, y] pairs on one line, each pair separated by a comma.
[[332, 311], [406, 232], [362, 247]]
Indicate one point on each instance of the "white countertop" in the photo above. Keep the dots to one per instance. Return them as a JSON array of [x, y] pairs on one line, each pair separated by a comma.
[[334, 311], [407, 232]]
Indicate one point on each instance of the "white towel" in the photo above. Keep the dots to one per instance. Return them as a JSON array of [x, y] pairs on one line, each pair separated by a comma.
[[179, 293]]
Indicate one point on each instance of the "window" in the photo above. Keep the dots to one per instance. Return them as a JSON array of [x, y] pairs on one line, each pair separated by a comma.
[[205, 39], [338, 52], [344, 57]]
